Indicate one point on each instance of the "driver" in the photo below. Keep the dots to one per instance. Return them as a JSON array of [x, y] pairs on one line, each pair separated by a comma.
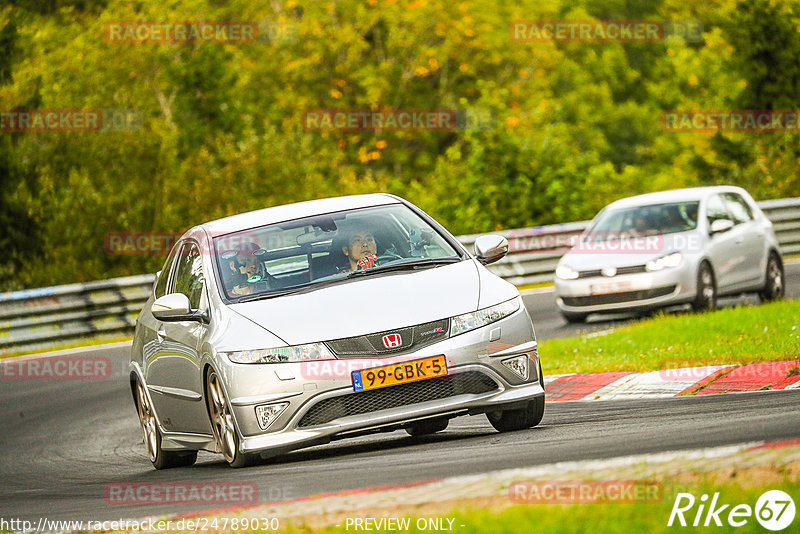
[[361, 250]]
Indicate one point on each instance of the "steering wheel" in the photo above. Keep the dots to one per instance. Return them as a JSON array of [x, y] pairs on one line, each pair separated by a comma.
[[389, 256]]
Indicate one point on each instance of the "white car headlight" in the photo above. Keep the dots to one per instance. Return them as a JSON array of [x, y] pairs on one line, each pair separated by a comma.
[[670, 260], [470, 321], [297, 353], [566, 273]]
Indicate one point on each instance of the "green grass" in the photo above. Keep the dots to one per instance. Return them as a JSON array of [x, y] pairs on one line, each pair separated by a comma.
[[770, 332], [600, 518]]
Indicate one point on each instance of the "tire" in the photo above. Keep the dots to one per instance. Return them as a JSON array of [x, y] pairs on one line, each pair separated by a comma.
[[225, 434], [575, 317], [774, 287], [706, 298], [520, 419], [160, 458], [428, 426]]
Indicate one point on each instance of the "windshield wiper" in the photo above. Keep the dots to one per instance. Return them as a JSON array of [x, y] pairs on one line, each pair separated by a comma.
[[270, 294], [409, 265]]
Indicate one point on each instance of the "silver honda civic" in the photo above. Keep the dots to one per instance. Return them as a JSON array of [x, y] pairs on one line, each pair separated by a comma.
[[685, 246], [295, 325]]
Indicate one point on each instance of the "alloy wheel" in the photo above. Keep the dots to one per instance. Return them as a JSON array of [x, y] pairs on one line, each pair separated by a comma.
[[221, 418], [148, 422], [775, 277]]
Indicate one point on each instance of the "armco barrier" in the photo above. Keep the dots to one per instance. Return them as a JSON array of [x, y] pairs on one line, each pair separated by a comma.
[[38, 318]]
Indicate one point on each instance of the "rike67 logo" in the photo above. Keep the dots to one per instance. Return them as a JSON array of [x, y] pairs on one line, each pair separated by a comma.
[[774, 510]]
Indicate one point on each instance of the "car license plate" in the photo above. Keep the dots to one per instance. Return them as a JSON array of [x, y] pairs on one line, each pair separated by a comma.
[[610, 287], [399, 373]]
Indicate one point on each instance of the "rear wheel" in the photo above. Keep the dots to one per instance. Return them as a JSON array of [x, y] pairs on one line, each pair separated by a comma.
[[219, 411], [160, 458], [706, 298], [519, 419], [429, 426], [773, 285]]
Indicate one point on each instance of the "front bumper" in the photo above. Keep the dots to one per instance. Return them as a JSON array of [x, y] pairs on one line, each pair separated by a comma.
[[478, 353], [637, 291]]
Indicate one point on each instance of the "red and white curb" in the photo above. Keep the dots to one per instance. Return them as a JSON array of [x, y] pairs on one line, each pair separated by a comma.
[[704, 380]]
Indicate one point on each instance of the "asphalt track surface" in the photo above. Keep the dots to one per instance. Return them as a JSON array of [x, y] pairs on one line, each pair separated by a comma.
[[62, 442]]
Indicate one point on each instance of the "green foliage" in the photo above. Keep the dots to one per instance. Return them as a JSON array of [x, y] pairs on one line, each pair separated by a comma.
[[576, 125]]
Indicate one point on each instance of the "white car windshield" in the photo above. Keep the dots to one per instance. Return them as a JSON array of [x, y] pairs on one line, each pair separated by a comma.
[[655, 219], [302, 253]]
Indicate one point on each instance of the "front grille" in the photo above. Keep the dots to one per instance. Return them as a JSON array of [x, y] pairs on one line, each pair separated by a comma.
[[631, 269], [371, 345], [375, 400], [613, 298], [628, 269]]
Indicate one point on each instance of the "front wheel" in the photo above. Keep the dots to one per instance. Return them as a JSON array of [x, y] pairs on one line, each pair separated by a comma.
[[773, 285], [160, 458], [219, 411], [706, 298], [519, 419]]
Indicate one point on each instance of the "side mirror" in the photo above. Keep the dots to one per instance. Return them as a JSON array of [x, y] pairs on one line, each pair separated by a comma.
[[490, 248], [721, 225], [176, 307]]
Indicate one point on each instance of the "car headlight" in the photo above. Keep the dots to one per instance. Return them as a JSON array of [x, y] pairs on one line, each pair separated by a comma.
[[470, 321], [297, 353], [670, 260], [566, 273]]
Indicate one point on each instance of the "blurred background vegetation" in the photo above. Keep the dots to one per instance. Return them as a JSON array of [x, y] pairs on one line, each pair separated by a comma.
[[576, 124]]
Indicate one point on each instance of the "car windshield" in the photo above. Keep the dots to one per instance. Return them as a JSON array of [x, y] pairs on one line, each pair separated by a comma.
[[304, 253], [655, 219]]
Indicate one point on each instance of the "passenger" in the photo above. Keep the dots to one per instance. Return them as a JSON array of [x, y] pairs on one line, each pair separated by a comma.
[[243, 270], [641, 226], [673, 222]]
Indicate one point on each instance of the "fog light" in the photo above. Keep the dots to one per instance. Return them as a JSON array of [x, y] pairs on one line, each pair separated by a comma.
[[267, 414], [519, 365]]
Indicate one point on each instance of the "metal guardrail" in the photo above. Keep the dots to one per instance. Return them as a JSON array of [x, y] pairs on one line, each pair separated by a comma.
[[43, 317]]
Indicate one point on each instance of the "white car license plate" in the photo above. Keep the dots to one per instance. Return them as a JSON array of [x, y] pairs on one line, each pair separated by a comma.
[[610, 287]]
